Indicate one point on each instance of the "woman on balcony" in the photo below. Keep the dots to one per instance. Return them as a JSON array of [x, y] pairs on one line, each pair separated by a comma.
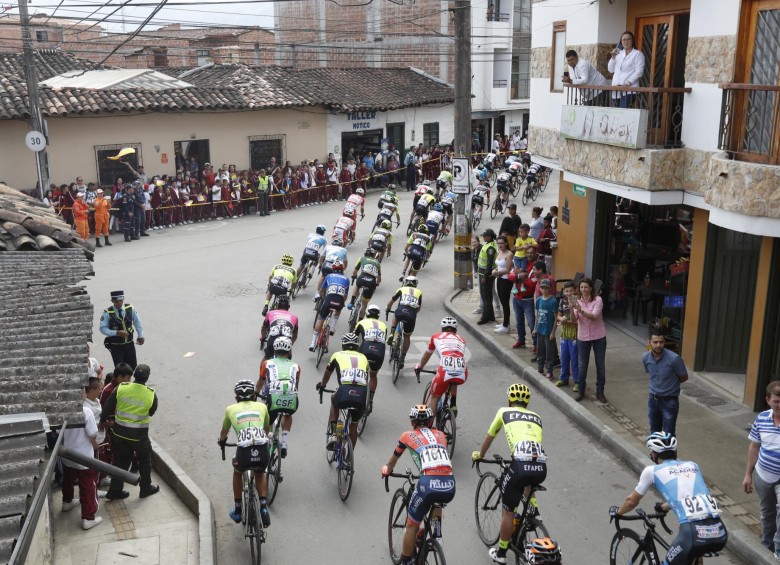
[[627, 65]]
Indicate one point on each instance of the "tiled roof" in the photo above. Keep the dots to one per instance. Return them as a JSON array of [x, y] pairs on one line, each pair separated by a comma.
[[221, 87]]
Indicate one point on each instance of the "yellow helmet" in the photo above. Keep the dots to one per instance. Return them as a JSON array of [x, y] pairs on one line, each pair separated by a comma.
[[287, 260], [518, 393]]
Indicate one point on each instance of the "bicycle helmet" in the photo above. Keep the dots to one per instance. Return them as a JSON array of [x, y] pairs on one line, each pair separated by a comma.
[[337, 239], [542, 550], [430, 190], [661, 441], [386, 225], [349, 212], [350, 341], [411, 281], [391, 187], [337, 265], [287, 260], [370, 253], [282, 302], [244, 389], [420, 414], [423, 229], [449, 322], [480, 166], [360, 191], [373, 311], [441, 183], [518, 393], [283, 344], [438, 207], [321, 229]]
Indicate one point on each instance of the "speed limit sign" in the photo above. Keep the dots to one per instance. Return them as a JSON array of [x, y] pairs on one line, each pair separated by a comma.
[[35, 141]]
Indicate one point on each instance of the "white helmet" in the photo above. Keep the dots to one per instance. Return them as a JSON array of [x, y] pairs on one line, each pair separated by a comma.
[[449, 322], [282, 344], [661, 441], [360, 191]]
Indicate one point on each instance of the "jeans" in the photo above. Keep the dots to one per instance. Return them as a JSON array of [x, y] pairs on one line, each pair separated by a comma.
[[411, 177], [524, 314], [139, 223], [545, 353], [662, 414], [769, 500], [504, 290], [599, 347], [519, 263], [569, 358]]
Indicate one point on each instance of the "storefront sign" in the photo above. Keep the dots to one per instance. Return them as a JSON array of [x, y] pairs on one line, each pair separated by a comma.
[[580, 190], [304, 125], [622, 127], [361, 120], [460, 175]]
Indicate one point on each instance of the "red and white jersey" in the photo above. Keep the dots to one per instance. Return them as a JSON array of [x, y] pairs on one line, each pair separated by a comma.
[[345, 223], [356, 199], [350, 206], [421, 189], [451, 349]]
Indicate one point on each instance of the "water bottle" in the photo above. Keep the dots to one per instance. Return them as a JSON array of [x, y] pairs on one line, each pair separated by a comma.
[[515, 521], [339, 428], [436, 523]]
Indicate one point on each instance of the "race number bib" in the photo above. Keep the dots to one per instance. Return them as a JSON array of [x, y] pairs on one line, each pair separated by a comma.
[[352, 376], [281, 281], [419, 241], [312, 244], [699, 507], [409, 300], [374, 334], [332, 258], [281, 330], [432, 456], [252, 436], [371, 269], [529, 450], [451, 363], [337, 289]]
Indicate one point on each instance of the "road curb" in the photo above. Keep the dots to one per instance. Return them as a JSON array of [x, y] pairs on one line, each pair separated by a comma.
[[194, 499], [742, 542]]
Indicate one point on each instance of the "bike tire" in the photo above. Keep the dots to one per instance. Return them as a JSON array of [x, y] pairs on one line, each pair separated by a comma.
[[395, 355], [410, 227], [546, 180], [492, 178], [487, 508], [526, 196], [425, 393], [330, 456], [475, 219], [448, 427], [274, 474], [362, 422], [298, 286], [535, 529], [627, 547], [256, 537], [516, 187], [495, 208], [433, 554], [396, 525], [323, 341], [535, 193], [354, 314], [346, 466]]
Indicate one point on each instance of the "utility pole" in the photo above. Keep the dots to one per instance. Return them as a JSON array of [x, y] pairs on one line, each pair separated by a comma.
[[463, 269], [33, 100]]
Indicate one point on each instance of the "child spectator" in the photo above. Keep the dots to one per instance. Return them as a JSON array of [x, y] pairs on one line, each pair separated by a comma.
[[546, 307], [569, 357]]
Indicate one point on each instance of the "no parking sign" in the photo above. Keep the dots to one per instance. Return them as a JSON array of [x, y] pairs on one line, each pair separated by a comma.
[[460, 175]]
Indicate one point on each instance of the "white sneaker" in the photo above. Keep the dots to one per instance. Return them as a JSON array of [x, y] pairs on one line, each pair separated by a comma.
[[496, 559], [89, 524], [477, 311], [105, 482], [502, 330], [102, 493], [70, 505], [219, 218]]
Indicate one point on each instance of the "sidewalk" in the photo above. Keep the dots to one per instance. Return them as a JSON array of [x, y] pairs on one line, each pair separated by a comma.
[[712, 430]]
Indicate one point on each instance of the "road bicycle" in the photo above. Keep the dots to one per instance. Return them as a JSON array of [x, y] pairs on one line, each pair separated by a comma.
[[354, 314], [250, 511], [343, 450], [517, 182], [429, 550], [397, 356], [628, 547], [531, 190], [544, 178], [488, 511], [476, 217], [274, 471], [500, 202], [323, 338], [306, 275], [445, 417]]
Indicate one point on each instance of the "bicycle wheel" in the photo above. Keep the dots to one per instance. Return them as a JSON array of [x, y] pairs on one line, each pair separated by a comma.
[[396, 353], [322, 342], [535, 529], [362, 422], [476, 217], [274, 472], [256, 530], [410, 227], [495, 209], [546, 180], [487, 508], [330, 456], [627, 548], [492, 178], [526, 194], [447, 426], [396, 525], [346, 466], [535, 192], [518, 182], [298, 285], [433, 554]]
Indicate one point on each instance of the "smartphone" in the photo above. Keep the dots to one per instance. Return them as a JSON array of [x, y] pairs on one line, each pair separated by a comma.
[[619, 46], [566, 74]]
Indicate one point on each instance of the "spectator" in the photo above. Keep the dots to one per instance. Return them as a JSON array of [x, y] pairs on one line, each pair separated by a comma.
[[510, 226], [546, 305], [48, 199], [491, 12], [522, 244], [569, 358], [523, 303], [667, 371], [581, 72], [764, 457], [538, 268], [485, 265], [411, 174], [536, 222], [476, 245], [628, 66], [554, 220], [83, 441], [591, 334], [546, 237], [503, 284], [81, 215]]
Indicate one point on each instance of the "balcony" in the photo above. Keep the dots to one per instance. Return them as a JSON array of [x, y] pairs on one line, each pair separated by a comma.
[[497, 17], [750, 123]]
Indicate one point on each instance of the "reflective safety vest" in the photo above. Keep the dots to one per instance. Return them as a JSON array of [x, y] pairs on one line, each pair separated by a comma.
[[262, 184], [482, 260], [133, 402], [116, 323]]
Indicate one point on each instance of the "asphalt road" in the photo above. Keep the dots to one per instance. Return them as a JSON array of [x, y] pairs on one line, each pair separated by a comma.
[[198, 291]]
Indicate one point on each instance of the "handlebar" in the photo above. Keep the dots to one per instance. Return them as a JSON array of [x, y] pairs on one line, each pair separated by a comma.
[[387, 314], [222, 446], [645, 517], [497, 460], [409, 476], [323, 391]]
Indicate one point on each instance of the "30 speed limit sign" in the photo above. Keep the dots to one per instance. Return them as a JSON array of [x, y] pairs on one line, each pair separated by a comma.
[[35, 141]]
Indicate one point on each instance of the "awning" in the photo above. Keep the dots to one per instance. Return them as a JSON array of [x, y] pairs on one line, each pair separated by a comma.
[[484, 115]]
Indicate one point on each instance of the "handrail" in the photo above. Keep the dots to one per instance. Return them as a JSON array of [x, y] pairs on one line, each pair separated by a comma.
[[749, 119], [743, 86], [638, 89]]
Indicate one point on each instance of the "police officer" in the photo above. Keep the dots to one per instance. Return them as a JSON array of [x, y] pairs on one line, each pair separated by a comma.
[[485, 264], [127, 209], [120, 324], [128, 412], [139, 212]]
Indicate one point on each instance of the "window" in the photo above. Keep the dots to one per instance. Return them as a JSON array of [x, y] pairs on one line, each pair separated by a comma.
[[109, 171], [203, 55], [263, 147], [41, 35], [521, 51], [160, 57], [431, 134], [558, 56]]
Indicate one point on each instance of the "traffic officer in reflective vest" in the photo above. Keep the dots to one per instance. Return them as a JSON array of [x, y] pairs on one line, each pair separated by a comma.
[[129, 411], [120, 324]]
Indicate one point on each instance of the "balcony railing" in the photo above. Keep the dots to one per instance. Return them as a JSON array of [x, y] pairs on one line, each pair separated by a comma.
[[750, 122], [499, 83], [497, 17], [664, 107]]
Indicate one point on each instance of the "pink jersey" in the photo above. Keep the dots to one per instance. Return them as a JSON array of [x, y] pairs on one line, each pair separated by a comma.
[[281, 322], [451, 349], [421, 189]]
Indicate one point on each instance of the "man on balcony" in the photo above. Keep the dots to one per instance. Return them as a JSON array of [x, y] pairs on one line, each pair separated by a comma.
[[582, 72]]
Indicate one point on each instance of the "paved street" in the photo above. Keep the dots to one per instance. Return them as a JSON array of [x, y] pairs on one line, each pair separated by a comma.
[[198, 291]]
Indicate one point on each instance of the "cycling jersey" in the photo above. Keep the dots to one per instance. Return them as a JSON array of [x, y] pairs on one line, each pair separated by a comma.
[[371, 330], [345, 223], [448, 198], [422, 240], [490, 158], [281, 323], [426, 200], [389, 196], [356, 200], [682, 486], [410, 297], [314, 244], [428, 448], [350, 206], [283, 277], [523, 431], [445, 176], [481, 174], [281, 387], [333, 253], [503, 180], [351, 367], [435, 218], [249, 419], [379, 239], [336, 284], [451, 349], [369, 266], [421, 189]]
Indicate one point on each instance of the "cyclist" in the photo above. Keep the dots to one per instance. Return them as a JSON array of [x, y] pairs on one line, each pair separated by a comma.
[[372, 333], [434, 222], [452, 371], [417, 249], [356, 201], [409, 303], [428, 448], [479, 197], [444, 181], [421, 189], [351, 368], [281, 280], [278, 385], [315, 243], [249, 419], [447, 200], [333, 290], [333, 252], [502, 186], [424, 204], [682, 485], [382, 239], [345, 227], [523, 431], [532, 175], [367, 275], [388, 195], [481, 173], [279, 322], [490, 160], [388, 210]]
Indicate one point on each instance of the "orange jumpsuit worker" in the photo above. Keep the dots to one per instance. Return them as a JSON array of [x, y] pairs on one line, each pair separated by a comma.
[[81, 215], [102, 207]]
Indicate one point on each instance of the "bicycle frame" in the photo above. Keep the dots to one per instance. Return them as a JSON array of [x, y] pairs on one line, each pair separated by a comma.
[[647, 542], [253, 527]]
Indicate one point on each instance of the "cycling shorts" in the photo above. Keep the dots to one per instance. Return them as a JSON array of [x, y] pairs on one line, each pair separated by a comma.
[[331, 301], [416, 255], [277, 290], [433, 229], [429, 490], [374, 352], [446, 208], [252, 457], [278, 404], [351, 396], [408, 316], [477, 201], [378, 244], [421, 210], [442, 380], [695, 539], [368, 283], [520, 475], [326, 270], [310, 255], [503, 187]]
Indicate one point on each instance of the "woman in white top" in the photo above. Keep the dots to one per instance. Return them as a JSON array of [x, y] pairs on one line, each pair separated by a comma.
[[503, 284], [628, 66]]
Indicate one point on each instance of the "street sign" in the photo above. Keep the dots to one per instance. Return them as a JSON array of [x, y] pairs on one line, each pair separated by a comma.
[[460, 175], [35, 141], [580, 190]]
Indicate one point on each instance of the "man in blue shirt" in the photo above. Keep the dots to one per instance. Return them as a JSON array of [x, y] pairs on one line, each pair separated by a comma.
[[120, 324], [667, 371]]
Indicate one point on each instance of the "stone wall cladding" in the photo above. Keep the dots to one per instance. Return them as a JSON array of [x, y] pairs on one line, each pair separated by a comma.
[[540, 62], [742, 187], [545, 142], [710, 59]]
